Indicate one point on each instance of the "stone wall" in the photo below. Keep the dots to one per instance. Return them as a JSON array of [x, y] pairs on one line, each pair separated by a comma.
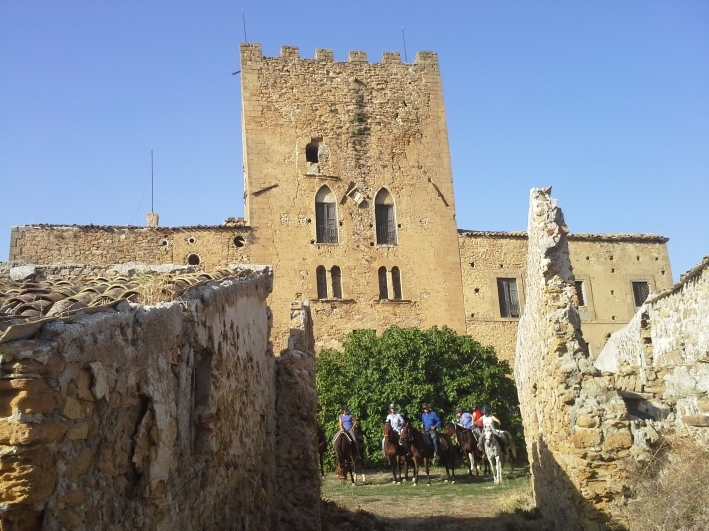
[[576, 424], [297, 495], [214, 247], [150, 417], [660, 360]]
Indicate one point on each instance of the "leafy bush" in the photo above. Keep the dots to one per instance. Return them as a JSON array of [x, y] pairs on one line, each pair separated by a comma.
[[409, 366]]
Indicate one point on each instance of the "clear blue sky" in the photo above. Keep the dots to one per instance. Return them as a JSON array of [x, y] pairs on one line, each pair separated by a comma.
[[607, 101]]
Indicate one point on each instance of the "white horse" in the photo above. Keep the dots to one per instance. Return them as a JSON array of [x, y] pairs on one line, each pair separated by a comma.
[[493, 451]]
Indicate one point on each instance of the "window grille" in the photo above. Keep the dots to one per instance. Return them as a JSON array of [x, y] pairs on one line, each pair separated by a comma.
[[321, 275], [509, 299], [579, 293], [396, 282], [336, 277], [383, 290], [641, 290], [386, 225]]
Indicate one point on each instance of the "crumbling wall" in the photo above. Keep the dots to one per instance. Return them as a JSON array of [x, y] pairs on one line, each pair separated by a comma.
[[576, 425], [297, 496], [148, 418], [660, 360]]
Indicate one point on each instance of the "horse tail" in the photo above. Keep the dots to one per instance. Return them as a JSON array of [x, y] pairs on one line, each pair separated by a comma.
[[511, 444]]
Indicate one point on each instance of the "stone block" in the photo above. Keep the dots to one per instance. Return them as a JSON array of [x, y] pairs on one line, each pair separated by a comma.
[[698, 421], [21, 519], [28, 395], [24, 433], [72, 408], [587, 438], [620, 440], [27, 477]]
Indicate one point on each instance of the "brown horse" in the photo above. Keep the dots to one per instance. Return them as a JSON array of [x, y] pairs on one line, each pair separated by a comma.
[[347, 458], [322, 446], [468, 441], [395, 453], [421, 450]]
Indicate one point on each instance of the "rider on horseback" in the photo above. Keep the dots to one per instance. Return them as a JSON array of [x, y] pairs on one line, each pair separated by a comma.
[[431, 422], [464, 418], [489, 420], [347, 425], [395, 420]]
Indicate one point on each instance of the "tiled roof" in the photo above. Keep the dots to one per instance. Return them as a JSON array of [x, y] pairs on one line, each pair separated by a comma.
[[34, 301], [576, 237]]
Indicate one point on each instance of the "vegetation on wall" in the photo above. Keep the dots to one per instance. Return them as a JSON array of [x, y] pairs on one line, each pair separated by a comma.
[[409, 366]]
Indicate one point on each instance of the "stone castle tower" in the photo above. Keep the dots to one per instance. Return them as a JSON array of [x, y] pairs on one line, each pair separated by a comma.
[[348, 187]]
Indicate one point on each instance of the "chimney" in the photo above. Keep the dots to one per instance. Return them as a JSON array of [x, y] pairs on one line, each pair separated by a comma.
[[153, 219]]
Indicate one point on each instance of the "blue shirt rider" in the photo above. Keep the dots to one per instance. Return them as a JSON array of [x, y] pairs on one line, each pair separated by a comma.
[[465, 419], [431, 422], [347, 424]]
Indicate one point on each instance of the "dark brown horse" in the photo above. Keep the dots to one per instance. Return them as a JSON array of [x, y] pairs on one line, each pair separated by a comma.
[[395, 453], [322, 446], [348, 457], [468, 441], [421, 450]]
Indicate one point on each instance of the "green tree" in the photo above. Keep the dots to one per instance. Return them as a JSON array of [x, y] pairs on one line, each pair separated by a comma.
[[409, 366]]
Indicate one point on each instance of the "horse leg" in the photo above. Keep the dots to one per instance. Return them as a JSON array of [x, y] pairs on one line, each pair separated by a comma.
[[322, 470], [428, 475], [416, 471], [499, 469], [452, 468], [471, 463]]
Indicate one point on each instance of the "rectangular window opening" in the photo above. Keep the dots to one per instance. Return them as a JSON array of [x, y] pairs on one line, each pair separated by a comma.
[[579, 293], [326, 222], [641, 291], [509, 299], [386, 225]]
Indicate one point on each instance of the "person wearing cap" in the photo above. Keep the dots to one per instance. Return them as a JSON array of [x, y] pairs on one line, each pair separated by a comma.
[[347, 425], [395, 420], [490, 420], [431, 422], [464, 418]]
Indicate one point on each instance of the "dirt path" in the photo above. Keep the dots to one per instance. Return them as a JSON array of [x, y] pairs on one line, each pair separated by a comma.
[[470, 504]]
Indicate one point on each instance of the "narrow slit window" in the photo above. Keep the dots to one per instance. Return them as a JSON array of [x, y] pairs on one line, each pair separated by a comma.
[[325, 216], [321, 275], [383, 290], [385, 217], [311, 152], [336, 277], [579, 293], [641, 291], [396, 282], [509, 298]]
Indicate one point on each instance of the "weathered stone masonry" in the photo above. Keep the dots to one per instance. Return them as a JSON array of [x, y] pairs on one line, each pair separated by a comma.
[[576, 424], [157, 417]]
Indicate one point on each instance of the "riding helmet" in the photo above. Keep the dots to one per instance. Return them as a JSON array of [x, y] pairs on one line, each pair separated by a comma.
[[344, 408], [392, 406], [486, 410], [459, 410]]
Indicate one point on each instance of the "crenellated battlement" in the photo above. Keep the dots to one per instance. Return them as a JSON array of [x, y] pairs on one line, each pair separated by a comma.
[[253, 52]]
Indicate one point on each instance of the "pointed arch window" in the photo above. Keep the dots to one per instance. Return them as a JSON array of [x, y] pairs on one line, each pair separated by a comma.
[[383, 290], [325, 216], [385, 216], [336, 279], [321, 275], [396, 282]]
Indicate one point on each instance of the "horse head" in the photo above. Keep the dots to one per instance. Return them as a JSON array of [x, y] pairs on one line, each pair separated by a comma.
[[450, 429], [405, 434]]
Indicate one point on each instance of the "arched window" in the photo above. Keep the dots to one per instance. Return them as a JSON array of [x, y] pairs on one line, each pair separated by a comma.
[[385, 218], [383, 291], [322, 282], [325, 216], [396, 282], [336, 277]]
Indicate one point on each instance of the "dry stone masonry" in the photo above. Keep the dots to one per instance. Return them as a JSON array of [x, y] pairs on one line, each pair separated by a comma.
[[576, 424], [660, 360], [155, 417]]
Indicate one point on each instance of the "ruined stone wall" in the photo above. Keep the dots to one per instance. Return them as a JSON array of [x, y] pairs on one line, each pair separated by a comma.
[[576, 424], [213, 247], [158, 417], [607, 265], [660, 360], [378, 126], [297, 496]]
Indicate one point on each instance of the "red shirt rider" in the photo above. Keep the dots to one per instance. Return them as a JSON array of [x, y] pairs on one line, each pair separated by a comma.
[[477, 416]]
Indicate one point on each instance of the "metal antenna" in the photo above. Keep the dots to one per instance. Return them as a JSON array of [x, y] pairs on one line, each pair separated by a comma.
[[403, 38], [243, 18], [152, 183]]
